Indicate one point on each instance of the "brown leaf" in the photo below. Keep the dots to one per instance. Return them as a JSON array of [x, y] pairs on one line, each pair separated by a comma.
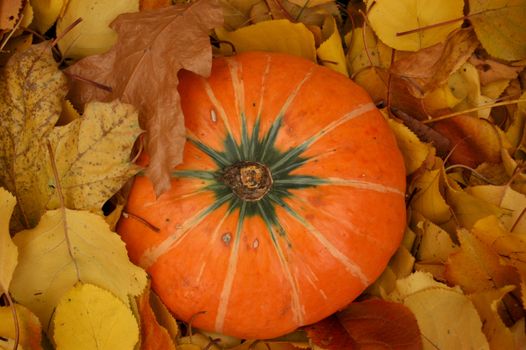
[[430, 67], [9, 13], [153, 335], [380, 324], [491, 70], [142, 69], [329, 334]]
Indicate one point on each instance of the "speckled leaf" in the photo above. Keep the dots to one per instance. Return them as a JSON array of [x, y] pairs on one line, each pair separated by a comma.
[[65, 249], [8, 251], [31, 91], [92, 154]]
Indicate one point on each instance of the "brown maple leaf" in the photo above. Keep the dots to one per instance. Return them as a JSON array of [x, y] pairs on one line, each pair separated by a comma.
[[142, 69]]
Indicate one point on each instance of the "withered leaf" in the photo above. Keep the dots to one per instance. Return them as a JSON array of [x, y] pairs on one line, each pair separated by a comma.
[[142, 68], [9, 13], [329, 334], [380, 323]]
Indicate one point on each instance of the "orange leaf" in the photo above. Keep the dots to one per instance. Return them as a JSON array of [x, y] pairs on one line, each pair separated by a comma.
[[142, 69], [380, 324], [329, 334], [153, 335]]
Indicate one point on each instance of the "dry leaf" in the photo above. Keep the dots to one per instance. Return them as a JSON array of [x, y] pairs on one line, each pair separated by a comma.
[[435, 244], [31, 90], [149, 52], [88, 173], [388, 18], [9, 13], [8, 250], [93, 35], [491, 71], [276, 36], [88, 317], [153, 335], [499, 25], [46, 13], [329, 334], [330, 53], [382, 324], [29, 326], [53, 258]]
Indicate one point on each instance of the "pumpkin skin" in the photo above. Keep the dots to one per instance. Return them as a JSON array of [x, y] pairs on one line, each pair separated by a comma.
[[324, 230]]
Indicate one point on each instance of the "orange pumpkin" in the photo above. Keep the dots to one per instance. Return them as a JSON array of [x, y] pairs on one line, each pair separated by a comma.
[[288, 204]]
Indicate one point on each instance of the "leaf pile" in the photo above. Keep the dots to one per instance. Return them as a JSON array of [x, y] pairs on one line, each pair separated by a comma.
[[451, 87]]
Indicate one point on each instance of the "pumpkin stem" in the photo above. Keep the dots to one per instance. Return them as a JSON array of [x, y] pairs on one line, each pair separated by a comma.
[[250, 181]]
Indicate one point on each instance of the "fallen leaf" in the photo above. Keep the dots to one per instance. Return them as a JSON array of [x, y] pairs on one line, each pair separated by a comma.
[[499, 336], [153, 4], [330, 53], [500, 27], [93, 35], [30, 330], [164, 316], [149, 52], [32, 89], [377, 323], [8, 250], [491, 70], [329, 334], [447, 318], [153, 335], [17, 44], [88, 317], [10, 13], [85, 250], [237, 13], [365, 50], [389, 18], [88, 173], [196, 341], [434, 244], [46, 13], [276, 36]]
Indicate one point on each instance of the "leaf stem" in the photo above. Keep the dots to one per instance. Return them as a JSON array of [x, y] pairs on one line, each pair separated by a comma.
[[62, 205]]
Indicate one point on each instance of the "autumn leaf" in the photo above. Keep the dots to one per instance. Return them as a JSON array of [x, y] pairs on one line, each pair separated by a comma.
[[276, 36], [88, 317], [46, 13], [382, 324], [500, 27], [8, 250], [88, 173], [32, 89], [149, 52], [9, 13], [93, 35], [28, 324], [329, 334], [153, 335], [390, 18], [330, 52], [83, 249]]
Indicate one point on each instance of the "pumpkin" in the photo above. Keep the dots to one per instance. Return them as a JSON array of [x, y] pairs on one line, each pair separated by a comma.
[[288, 204]]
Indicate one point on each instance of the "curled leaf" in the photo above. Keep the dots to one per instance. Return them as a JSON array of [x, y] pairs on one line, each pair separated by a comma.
[[88, 317]]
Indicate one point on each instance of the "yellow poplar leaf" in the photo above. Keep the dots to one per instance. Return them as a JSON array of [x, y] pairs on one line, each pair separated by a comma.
[[435, 244], [500, 27], [88, 317], [93, 35], [89, 172], [374, 81], [446, 317], [276, 35], [428, 199], [507, 198], [330, 53], [69, 113], [8, 250], [32, 88], [413, 150], [391, 17], [52, 258], [440, 98], [29, 326], [365, 51], [46, 13], [465, 85], [499, 336]]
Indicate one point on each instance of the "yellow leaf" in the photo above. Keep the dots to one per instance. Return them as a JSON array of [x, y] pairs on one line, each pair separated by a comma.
[[366, 51], [435, 244], [440, 98], [8, 250], [93, 35], [46, 13], [88, 317], [89, 174], [446, 317], [237, 12], [277, 36], [29, 326], [197, 341], [499, 336], [330, 52], [388, 18], [32, 88], [53, 258], [413, 150], [499, 25], [465, 86], [9, 14], [428, 199]]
